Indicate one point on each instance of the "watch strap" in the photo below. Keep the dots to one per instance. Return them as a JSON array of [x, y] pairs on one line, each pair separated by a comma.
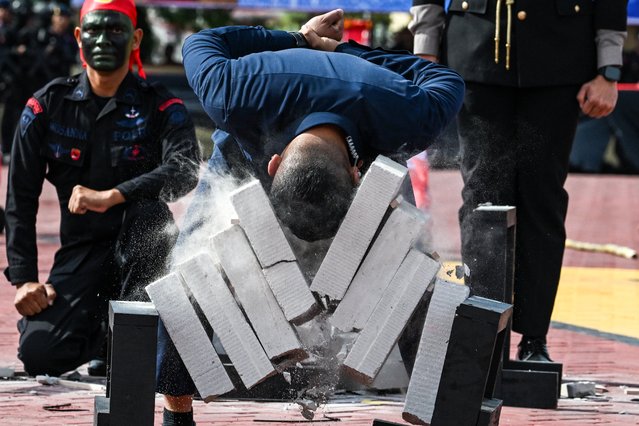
[[300, 40]]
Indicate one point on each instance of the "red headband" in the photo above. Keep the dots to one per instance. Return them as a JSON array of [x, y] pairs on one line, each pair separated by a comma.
[[127, 7]]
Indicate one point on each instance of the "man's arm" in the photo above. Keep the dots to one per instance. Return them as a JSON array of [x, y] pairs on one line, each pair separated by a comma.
[[178, 172], [598, 97], [26, 176], [25, 179], [427, 26]]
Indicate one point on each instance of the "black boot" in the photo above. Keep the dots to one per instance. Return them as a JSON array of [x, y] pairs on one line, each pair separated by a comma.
[[533, 349]]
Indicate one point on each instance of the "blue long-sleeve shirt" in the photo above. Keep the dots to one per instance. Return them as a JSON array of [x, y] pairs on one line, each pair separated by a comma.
[[262, 92]]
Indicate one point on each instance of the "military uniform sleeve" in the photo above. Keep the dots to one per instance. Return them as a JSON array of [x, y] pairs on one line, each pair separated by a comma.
[[177, 173], [25, 179], [427, 25], [610, 24]]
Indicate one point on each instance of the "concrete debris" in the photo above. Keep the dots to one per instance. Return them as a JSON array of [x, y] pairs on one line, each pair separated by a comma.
[[578, 389]]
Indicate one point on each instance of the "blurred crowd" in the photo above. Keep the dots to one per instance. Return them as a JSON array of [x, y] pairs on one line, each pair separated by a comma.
[[36, 45]]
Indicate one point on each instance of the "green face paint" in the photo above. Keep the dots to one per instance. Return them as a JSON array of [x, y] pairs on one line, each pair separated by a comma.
[[107, 39]]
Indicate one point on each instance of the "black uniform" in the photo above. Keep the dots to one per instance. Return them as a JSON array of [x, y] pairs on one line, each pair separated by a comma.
[[141, 142], [519, 118]]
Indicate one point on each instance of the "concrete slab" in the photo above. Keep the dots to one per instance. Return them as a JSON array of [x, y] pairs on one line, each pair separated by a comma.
[[403, 227], [422, 390], [390, 316], [207, 285], [379, 187], [191, 341], [274, 253], [249, 284]]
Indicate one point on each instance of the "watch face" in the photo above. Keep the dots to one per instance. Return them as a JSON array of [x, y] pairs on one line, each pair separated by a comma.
[[612, 73]]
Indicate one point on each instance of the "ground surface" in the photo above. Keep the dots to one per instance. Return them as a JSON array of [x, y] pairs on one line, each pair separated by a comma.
[[595, 332]]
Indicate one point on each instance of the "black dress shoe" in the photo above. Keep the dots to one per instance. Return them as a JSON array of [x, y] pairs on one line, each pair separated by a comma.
[[97, 367], [533, 349]]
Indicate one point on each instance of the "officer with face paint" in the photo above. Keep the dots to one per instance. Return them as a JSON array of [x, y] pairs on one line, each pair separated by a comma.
[[116, 148]]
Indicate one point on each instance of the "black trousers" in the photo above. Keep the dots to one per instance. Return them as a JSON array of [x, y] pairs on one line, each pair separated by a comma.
[[515, 144], [73, 330]]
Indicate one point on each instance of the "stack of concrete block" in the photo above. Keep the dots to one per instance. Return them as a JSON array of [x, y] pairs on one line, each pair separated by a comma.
[[374, 266], [378, 189], [190, 339], [400, 232], [255, 296], [283, 274], [207, 286]]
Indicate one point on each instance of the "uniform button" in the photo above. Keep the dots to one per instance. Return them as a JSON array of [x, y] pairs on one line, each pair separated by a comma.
[[521, 15], [465, 5], [577, 8]]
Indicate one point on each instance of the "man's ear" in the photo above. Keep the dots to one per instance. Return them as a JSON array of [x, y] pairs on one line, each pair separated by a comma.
[[137, 38], [76, 34], [274, 164], [355, 175]]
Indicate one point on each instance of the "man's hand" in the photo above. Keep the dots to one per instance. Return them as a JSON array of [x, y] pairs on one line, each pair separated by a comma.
[[324, 32], [84, 199], [431, 58], [32, 298], [598, 97]]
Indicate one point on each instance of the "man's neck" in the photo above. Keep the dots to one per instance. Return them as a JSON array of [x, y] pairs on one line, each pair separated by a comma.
[[106, 84]]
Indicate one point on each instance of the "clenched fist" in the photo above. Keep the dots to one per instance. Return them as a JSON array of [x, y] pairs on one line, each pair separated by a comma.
[[84, 199], [32, 298], [324, 32]]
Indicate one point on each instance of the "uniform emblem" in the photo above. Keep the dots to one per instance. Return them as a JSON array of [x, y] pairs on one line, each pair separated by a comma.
[[170, 102], [34, 105], [133, 113], [75, 154]]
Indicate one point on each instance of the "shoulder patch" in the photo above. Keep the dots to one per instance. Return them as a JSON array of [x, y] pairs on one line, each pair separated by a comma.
[[170, 102], [34, 105]]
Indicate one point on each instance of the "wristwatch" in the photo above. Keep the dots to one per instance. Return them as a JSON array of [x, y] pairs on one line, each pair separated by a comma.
[[300, 40], [610, 72]]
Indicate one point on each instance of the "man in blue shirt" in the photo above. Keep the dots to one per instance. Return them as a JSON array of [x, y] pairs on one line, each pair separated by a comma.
[[305, 113], [332, 106]]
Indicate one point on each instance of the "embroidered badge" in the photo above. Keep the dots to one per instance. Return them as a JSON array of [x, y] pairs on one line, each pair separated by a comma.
[[133, 113], [75, 154], [34, 105]]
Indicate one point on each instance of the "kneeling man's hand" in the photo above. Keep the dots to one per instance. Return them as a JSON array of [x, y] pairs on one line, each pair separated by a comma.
[[33, 298], [84, 199]]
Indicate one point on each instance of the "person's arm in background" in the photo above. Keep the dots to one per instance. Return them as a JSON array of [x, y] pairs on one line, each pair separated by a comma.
[[26, 176], [598, 97], [427, 26]]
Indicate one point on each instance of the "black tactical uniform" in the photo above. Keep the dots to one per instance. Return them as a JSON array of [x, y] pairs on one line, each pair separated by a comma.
[[141, 142]]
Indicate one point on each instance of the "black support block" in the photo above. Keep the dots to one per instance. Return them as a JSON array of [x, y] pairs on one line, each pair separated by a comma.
[[130, 398], [519, 384], [472, 360]]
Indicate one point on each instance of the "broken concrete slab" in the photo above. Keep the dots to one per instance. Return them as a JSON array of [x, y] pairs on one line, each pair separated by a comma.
[[433, 345], [205, 281], [254, 294], [190, 338], [390, 316], [260, 224], [274, 253], [378, 188], [291, 292], [403, 227]]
